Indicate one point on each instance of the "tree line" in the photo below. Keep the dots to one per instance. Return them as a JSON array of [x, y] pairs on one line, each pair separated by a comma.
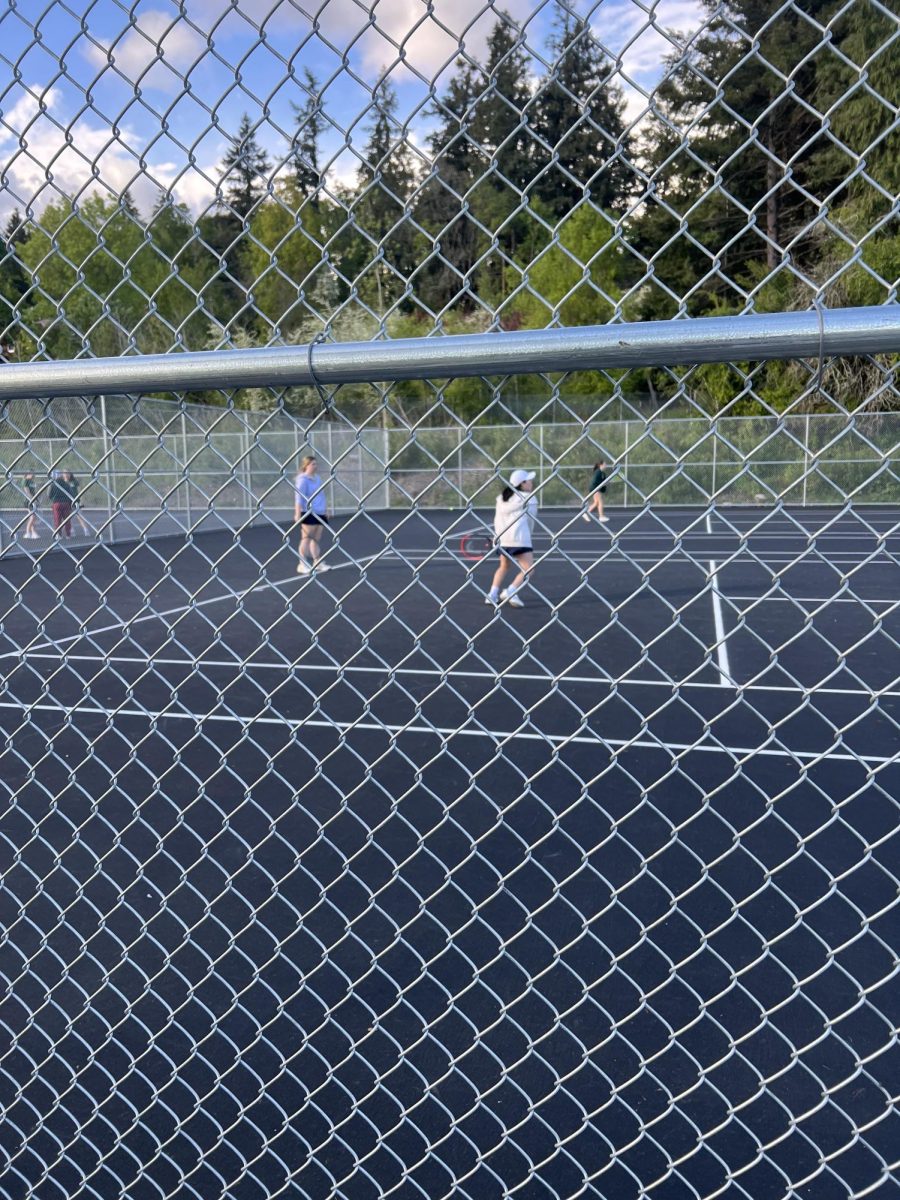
[[767, 172]]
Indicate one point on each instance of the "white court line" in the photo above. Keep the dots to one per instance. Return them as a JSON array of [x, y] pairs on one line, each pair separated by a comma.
[[675, 555], [127, 622], [813, 599], [247, 668], [446, 733], [718, 620], [724, 534]]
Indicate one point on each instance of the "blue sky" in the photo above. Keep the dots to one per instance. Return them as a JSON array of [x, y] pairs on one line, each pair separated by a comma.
[[147, 94]]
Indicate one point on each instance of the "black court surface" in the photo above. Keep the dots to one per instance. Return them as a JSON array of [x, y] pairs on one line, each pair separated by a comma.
[[353, 885]]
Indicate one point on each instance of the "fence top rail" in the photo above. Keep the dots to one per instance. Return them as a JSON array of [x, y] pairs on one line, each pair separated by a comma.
[[757, 337]]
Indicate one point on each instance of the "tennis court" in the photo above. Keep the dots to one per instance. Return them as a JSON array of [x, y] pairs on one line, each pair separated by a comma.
[[515, 902]]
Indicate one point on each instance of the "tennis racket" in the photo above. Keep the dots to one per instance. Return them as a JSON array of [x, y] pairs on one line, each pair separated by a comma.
[[475, 546]]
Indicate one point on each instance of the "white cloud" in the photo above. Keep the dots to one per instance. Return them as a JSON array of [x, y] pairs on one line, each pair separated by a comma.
[[641, 38], [43, 157], [152, 52]]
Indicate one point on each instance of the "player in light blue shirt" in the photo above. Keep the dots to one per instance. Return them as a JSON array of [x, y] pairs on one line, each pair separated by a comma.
[[310, 514]]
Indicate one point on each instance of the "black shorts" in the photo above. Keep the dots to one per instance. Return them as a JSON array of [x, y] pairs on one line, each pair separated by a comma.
[[513, 551], [314, 519]]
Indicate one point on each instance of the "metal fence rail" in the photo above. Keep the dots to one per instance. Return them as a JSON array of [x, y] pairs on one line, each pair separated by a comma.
[[347, 853]]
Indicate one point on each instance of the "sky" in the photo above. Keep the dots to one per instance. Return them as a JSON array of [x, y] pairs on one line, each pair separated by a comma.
[[147, 95]]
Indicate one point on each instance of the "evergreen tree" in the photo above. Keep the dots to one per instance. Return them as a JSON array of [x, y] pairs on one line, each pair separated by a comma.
[[245, 172], [13, 277], [443, 206], [736, 158], [578, 115], [310, 124], [454, 143], [385, 181], [863, 119], [500, 118]]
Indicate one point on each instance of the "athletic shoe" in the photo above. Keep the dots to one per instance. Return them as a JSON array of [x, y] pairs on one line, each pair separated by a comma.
[[512, 600], [585, 517], [489, 599], [320, 566], [302, 568], [605, 520]]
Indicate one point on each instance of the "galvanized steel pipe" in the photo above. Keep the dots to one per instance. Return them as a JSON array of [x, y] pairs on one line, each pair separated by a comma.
[[760, 337]]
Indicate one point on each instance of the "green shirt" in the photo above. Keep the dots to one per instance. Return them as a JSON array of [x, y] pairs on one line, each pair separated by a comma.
[[598, 480], [61, 492]]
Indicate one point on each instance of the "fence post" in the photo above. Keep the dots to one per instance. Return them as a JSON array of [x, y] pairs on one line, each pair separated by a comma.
[[625, 464], [386, 471], [714, 456], [108, 474], [245, 473], [807, 458], [185, 473]]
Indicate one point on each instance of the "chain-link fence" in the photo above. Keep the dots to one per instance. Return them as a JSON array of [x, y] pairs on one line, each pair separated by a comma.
[[368, 830]]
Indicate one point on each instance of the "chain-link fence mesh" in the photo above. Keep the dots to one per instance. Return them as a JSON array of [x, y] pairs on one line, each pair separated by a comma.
[[334, 863]]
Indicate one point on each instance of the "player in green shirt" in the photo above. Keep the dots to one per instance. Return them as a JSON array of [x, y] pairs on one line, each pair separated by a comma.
[[595, 495]]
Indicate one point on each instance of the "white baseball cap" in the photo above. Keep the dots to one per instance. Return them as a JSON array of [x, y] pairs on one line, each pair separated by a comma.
[[520, 476]]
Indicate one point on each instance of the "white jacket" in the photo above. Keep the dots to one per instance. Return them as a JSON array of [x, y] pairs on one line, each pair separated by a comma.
[[514, 519]]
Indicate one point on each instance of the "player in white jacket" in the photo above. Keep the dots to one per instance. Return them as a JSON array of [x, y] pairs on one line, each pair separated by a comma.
[[514, 526]]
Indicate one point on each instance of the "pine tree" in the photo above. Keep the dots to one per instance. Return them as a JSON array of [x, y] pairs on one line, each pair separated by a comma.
[[310, 124], [14, 281], [501, 116], [453, 142], [578, 115], [736, 159], [385, 181], [245, 172], [442, 208]]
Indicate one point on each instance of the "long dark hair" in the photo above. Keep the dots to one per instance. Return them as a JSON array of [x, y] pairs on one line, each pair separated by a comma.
[[508, 492]]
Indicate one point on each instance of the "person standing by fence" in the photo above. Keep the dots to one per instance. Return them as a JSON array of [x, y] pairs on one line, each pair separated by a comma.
[[61, 499], [310, 514]]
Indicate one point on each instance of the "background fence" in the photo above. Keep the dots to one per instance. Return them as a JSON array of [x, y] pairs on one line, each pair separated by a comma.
[[155, 469]]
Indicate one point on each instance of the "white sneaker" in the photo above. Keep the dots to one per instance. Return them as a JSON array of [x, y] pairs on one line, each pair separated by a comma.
[[512, 600], [302, 568], [320, 566], [489, 599], [585, 517], [605, 520]]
